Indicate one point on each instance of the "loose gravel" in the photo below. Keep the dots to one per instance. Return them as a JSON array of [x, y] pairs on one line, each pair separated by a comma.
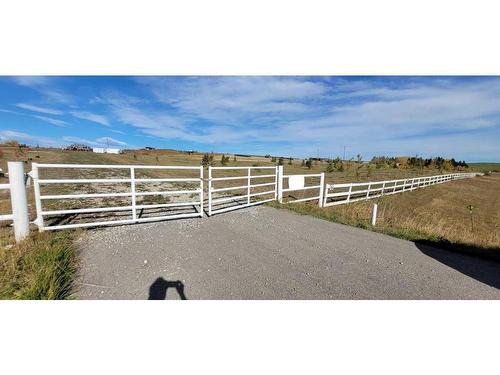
[[266, 253]]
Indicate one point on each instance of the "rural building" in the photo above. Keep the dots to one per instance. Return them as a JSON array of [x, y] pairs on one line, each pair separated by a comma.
[[77, 147], [106, 150]]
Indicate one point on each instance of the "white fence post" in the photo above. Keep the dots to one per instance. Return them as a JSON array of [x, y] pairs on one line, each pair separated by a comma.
[[132, 191], [280, 183], [249, 183], [321, 189], [38, 201], [374, 214], [201, 190], [18, 200], [209, 190]]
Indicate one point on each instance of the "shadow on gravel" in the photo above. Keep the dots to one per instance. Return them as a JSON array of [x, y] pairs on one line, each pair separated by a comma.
[[468, 261], [158, 290]]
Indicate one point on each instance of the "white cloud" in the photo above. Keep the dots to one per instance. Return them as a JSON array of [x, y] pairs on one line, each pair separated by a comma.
[[51, 120], [31, 81], [234, 99], [110, 141], [47, 86], [98, 142], [94, 117], [34, 108], [28, 138]]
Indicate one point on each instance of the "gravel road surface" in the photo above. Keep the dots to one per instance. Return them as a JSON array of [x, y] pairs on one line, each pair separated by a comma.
[[266, 253]]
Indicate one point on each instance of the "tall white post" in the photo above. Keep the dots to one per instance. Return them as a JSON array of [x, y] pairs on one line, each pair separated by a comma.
[[321, 189], [374, 214], [19, 200], [280, 183]]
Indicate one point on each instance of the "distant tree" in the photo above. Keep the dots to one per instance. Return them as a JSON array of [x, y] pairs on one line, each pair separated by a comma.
[[359, 158], [205, 160], [135, 157], [234, 158], [303, 163], [224, 159], [309, 163], [280, 161], [273, 159], [290, 161], [330, 167]]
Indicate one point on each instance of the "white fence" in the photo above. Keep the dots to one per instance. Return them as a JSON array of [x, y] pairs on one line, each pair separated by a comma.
[[245, 195], [131, 192], [129, 183], [336, 194]]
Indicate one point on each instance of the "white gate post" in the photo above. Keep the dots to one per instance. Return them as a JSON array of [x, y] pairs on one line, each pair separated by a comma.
[[18, 200], [374, 214], [279, 176], [201, 191], [321, 189], [209, 190], [38, 202]]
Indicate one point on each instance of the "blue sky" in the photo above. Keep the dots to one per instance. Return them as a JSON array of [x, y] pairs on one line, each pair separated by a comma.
[[298, 116]]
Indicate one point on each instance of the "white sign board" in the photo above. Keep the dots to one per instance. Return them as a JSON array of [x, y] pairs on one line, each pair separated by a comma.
[[296, 182]]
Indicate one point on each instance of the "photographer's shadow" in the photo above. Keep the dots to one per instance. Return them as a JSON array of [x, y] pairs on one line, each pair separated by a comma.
[[158, 290]]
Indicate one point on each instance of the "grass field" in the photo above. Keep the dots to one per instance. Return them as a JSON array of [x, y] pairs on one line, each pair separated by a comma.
[[44, 266], [486, 167]]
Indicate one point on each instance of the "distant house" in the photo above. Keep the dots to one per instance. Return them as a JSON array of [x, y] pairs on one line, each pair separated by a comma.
[[77, 147], [149, 148], [106, 150]]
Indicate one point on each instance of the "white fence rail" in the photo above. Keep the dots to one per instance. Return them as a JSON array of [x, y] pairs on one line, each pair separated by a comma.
[[336, 194], [245, 196], [131, 193]]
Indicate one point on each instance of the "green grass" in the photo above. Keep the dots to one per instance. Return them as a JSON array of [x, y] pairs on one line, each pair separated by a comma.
[[41, 267]]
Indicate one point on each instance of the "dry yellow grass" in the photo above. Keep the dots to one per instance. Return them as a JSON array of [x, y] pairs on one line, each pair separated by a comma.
[[438, 213]]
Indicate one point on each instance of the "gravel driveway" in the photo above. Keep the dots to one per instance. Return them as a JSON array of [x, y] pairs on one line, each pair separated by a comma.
[[266, 253]]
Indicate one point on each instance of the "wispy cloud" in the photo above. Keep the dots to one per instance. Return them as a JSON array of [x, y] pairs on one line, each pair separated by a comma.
[[98, 142], [35, 108], [94, 117], [32, 81], [296, 116], [52, 121], [48, 87], [28, 138], [110, 141]]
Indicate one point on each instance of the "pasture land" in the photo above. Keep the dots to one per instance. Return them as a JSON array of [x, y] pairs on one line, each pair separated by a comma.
[[439, 214]]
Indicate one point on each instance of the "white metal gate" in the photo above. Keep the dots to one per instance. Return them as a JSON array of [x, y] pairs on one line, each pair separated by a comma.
[[227, 193], [142, 203]]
